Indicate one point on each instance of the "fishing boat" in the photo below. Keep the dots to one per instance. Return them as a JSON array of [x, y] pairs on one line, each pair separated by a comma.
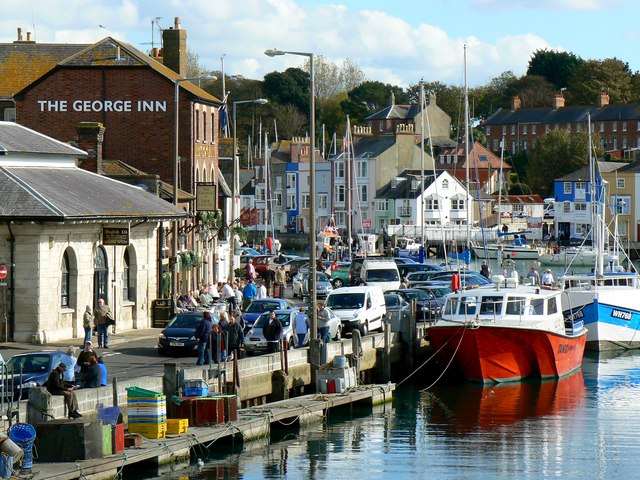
[[519, 249], [608, 298], [508, 332]]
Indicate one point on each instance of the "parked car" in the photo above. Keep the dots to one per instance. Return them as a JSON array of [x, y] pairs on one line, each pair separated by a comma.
[[179, 336], [428, 306], [254, 340], [360, 307], [340, 276], [419, 278], [398, 310], [437, 289], [29, 370], [380, 271], [261, 262], [260, 306], [300, 284], [247, 253], [292, 266], [467, 279], [355, 269], [404, 261], [408, 268]]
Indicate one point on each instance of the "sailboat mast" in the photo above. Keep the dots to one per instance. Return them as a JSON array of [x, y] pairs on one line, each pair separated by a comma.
[[347, 171], [267, 195], [466, 145], [422, 114]]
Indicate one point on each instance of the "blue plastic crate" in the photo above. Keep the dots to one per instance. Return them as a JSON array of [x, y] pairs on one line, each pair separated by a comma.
[[196, 391]]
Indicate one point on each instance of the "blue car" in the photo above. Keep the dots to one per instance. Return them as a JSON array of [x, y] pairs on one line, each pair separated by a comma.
[[258, 307], [28, 370]]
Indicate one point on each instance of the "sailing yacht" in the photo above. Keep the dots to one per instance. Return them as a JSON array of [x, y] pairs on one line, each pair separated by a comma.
[[608, 298]]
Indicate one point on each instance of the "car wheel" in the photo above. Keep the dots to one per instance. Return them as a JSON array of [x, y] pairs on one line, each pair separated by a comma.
[[338, 336], [337, 283], [364, 329]]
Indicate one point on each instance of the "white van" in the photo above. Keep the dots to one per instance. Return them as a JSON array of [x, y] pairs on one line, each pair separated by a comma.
[[380, 271], [361, 308]]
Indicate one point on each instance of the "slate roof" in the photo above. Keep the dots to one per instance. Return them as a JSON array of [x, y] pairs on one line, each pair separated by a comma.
[[21, 63], [403, 187], [574, 114], [110, 52], [582, 174], [43, 184], [477, 154], [401, 112]]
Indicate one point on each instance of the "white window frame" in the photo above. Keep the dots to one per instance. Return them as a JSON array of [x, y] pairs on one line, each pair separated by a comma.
[[382, 205], [323, 201], [364, 193], [620, 183], [277, 199], [339, 169], [306, 200], [291, 181], [567, 188], [291, 201]]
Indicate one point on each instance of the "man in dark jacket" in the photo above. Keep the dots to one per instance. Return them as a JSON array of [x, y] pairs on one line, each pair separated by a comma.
[[203, 331], [57, 386], [235, 333], [93, 375], [272, 330], [84, 358]]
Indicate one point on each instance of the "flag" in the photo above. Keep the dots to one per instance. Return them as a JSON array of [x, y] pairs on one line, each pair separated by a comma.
[[223, 118]]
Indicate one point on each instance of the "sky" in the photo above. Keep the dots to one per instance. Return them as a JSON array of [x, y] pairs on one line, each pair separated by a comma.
[[396, 42]]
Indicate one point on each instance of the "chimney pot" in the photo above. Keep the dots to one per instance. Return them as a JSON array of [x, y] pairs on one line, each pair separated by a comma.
[[28, 36], [558, 101], [176, 22], [19, 34]]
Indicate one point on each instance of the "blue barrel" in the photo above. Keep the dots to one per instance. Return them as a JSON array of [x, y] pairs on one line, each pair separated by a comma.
[[23, 434]]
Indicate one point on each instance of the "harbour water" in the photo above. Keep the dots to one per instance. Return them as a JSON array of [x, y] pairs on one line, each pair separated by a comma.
[[583, 426]]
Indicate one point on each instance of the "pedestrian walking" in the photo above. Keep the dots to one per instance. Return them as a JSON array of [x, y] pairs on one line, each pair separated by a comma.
[[301, 327], [248, 294], [272, 331], [202, 334], [323, 323], [87, 324], [235, 337]]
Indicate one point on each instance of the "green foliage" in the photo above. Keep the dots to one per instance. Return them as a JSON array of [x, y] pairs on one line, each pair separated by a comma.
[[534, 91], [185, 260], [556, 67], [556, 154], [519, 189], [611, 74], [289, 87], [370, 97]]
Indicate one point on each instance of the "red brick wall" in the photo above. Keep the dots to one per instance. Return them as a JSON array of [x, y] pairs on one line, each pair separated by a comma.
[[144, 139]]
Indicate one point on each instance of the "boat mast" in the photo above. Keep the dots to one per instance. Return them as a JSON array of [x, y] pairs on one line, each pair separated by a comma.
[[466, 144], [422, 114], [347, 171]]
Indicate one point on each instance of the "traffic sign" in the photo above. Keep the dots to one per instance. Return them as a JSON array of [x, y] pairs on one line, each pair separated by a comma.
[[3, 272]]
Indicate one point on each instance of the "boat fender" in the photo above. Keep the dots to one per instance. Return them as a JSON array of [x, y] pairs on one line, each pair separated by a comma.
[[455, 282]]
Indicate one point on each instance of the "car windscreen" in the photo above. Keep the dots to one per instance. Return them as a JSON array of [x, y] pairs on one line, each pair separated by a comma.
[[30, 363], [417, 295], [260, 307], [392, 300], [383, 275], [285, 319], [185, 321], [345, 301]]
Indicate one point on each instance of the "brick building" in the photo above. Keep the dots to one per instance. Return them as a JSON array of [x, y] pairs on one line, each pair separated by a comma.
[[618, 126]]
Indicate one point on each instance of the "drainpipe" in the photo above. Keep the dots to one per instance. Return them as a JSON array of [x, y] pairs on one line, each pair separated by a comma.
[[12, 309]]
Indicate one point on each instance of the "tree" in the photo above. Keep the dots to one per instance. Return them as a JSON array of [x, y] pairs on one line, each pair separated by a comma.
[[534, 91], [519, 189], [332, 79], [370, 97], [449, 98], [291, 121], [556, 154], [289, 87], [490, 97], [556, 67], [611, 75]]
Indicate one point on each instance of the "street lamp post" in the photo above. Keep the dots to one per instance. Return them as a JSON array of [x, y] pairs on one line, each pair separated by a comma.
[[313, 317], [236, 184], [176, 160]]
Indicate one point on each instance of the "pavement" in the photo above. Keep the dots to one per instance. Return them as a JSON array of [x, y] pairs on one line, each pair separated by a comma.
[[119, 338]]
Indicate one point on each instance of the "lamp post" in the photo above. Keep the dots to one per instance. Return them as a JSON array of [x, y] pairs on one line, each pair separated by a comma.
[[236, 184], [176, 160], [312, 180]]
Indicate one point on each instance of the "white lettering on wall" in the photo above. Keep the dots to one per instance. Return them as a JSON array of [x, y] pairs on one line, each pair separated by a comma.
[[103, 106]]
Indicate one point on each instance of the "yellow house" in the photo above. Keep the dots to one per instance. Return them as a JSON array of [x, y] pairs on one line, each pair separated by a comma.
[[622, 200]]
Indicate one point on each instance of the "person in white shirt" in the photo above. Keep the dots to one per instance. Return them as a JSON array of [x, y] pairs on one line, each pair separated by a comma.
[[262, 290], [228, 295], [547, 277]]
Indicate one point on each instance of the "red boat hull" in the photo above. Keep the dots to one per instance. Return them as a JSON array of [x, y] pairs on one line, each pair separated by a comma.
[[498, 354]]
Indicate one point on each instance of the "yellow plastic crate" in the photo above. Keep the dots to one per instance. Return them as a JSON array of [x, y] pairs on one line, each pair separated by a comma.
[[148, 430], [176, 426]]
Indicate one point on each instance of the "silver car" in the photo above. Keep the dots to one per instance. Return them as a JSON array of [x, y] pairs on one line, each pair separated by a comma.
[[254, 341], [301, 285]]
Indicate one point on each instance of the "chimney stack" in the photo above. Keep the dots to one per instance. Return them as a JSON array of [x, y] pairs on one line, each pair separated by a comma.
[[558, 101], [175, 48], [19, 34], [515, 103], [603, 99], [90, 139], [28, 36]]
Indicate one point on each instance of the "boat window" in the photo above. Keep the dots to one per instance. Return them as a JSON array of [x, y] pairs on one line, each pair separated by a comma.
[[468, 305], [552, 306], [537, 305], [515, 305], [491, 306], [451, 306]]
